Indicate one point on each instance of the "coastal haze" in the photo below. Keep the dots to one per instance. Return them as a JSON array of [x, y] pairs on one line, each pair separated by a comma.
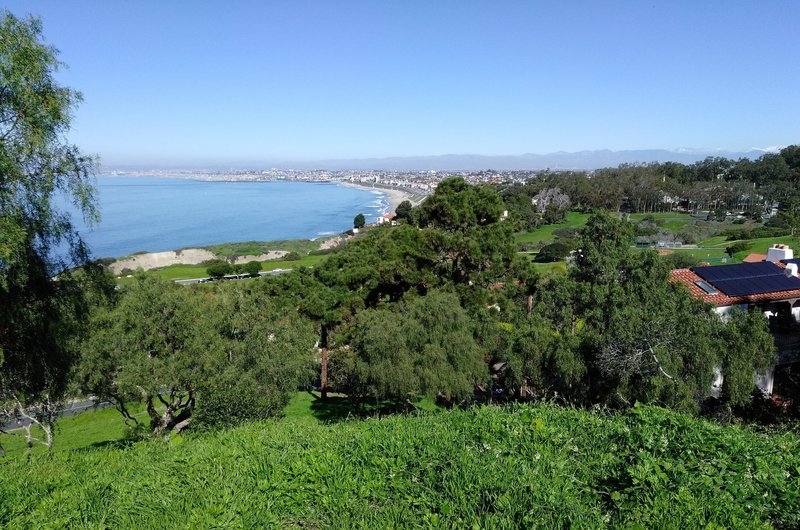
[[562, 160]]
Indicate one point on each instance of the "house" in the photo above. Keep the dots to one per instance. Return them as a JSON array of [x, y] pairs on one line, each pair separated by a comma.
[[770, 286], [387, 218]]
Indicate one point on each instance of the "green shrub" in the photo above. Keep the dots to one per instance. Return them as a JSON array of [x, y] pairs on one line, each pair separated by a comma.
[[681, 260], [219, 270], [215, 261], [234, 397], [553, 252], [739, 246], [734, 234], [252, 268]]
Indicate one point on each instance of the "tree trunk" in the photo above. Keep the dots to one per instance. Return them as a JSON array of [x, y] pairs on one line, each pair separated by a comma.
[[323, 379], [324, 375], [176, 417]]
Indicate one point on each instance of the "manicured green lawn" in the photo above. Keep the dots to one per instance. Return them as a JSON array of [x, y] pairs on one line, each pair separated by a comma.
[[761, 245], [758, 245], [713, 254], [546, 269], [716, 241], [672, 221], [545, 233]]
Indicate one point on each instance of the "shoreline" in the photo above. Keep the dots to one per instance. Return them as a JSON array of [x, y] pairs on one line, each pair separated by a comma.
[[391, 198], [394, 196]]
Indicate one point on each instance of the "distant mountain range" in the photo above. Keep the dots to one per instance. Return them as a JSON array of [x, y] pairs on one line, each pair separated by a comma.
[[561, 160]]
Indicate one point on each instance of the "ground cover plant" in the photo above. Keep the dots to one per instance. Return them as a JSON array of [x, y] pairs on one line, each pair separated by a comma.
[[522, 466]]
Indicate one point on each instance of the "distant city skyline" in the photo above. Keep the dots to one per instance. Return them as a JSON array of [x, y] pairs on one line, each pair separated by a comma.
[[194, 83], [559, 161]]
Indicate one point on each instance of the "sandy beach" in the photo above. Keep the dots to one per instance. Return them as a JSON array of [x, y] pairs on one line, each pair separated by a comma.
[[394, 195]]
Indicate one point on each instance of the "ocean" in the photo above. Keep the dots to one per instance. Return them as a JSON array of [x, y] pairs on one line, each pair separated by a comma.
[[155, 214]]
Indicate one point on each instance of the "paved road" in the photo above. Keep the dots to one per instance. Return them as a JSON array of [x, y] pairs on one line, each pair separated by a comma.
[[193, 281], [76, 407]]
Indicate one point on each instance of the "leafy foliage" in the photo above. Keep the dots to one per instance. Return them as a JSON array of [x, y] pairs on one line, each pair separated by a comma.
[[40, 318], [424, 347], [553, 252], [455, 205], [232, 354], [218, 270], [403, 212], [716, 183]]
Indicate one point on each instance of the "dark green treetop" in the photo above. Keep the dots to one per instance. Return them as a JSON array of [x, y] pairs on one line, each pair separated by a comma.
[[39, 317]]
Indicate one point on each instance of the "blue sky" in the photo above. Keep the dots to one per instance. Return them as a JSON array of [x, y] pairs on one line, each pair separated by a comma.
[[197, 83]]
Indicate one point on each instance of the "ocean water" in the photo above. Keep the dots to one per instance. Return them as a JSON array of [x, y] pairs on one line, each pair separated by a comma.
[[156, 214]]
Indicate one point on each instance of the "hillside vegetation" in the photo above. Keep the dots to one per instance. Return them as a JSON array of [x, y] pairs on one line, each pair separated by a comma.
[[487, 467]]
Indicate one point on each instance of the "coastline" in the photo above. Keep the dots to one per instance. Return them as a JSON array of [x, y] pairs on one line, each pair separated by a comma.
[[394, 196], [390, 198]]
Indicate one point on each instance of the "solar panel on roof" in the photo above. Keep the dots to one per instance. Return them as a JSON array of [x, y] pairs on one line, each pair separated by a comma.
[[747, 278], [748, 286], [740, 270], [796, 261]]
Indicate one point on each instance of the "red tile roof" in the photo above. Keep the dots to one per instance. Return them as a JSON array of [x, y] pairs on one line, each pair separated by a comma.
[[688, 278], [755, 258]]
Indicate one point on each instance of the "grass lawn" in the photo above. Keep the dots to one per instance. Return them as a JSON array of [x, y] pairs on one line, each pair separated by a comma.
[[102, 427], [518, 466], [94, 428], [546, 269], [716, 241], [713, 255], [671, 221], [545, 233], [760, 245]]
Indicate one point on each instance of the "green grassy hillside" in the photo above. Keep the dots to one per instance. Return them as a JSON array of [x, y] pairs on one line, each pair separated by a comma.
[[517, 467], [545, 233]]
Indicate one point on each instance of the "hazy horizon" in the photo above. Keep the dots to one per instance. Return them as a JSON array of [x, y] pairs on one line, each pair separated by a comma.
[[562, 160]]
